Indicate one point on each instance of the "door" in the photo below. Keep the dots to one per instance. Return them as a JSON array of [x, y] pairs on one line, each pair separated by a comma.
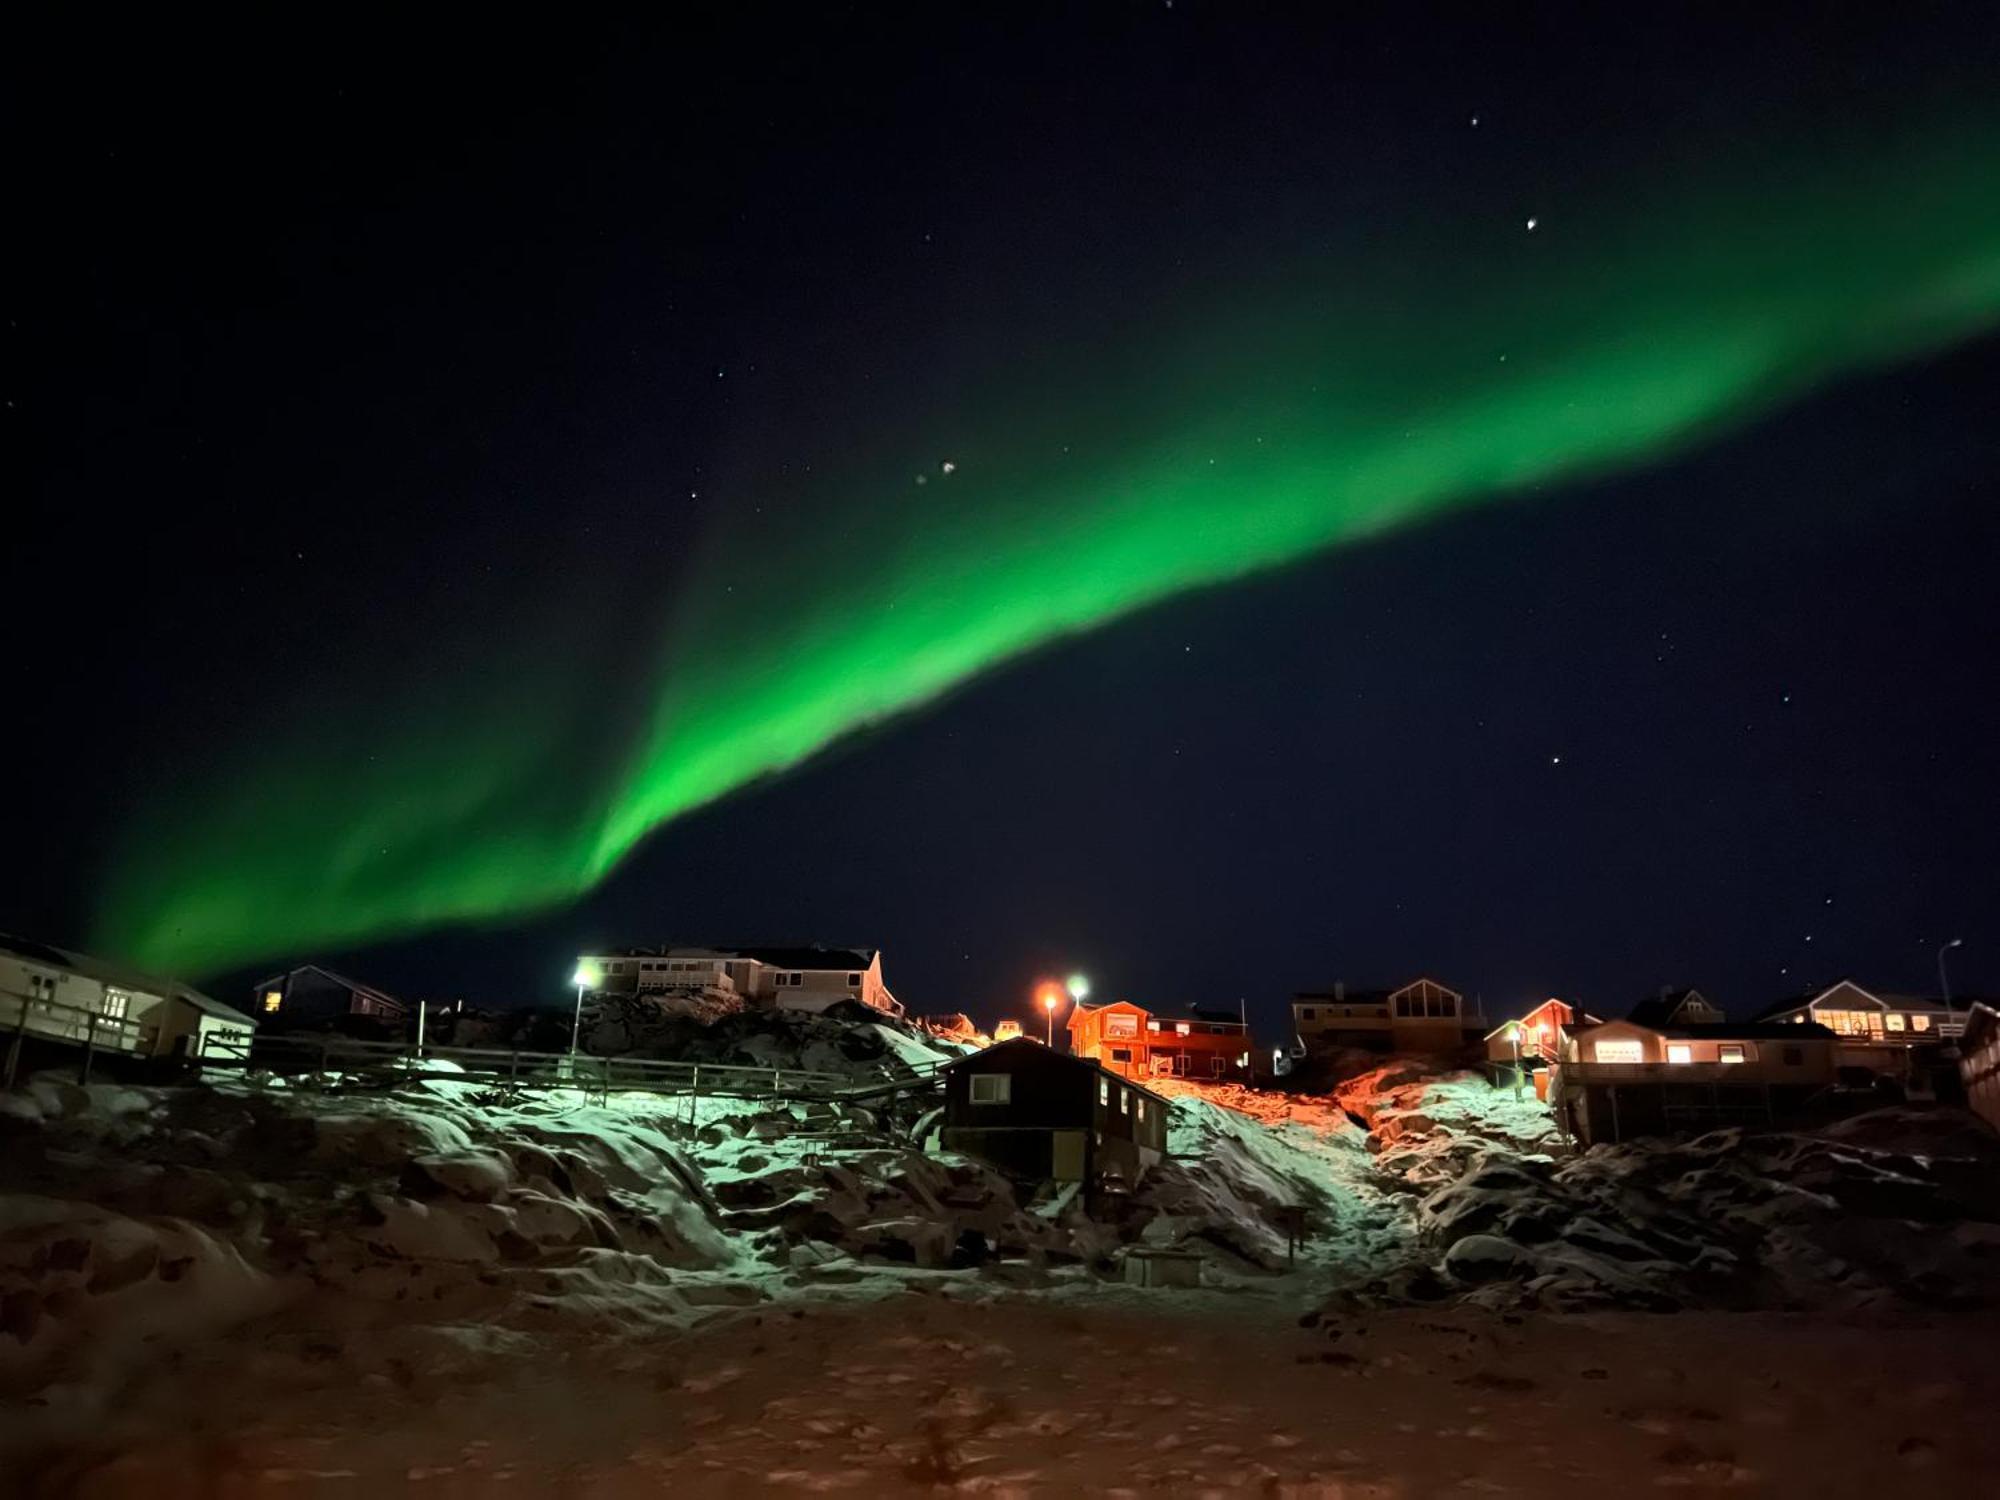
[[1066, 1155]]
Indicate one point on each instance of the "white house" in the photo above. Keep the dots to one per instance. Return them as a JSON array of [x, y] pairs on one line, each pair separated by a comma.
[[51, 994], [1895, 1036], [808, 978], [1422, 1016]]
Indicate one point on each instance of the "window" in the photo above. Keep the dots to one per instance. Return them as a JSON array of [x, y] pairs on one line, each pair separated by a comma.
[[272, 1000], [1629, 1050], [992, 1088], [1402, 1005], [1181, 1028], [1895, 1021], [1142, 1106], [1920, 1023], [854, 981], [117, 1003], [1729, 1052], [1124, 1101], [1215, 1066], [1152, 1025], [1307, 1014], [1103, 1090], [1121, 1054], [1122, 1024], [1793, 1057], [1681, 1052]]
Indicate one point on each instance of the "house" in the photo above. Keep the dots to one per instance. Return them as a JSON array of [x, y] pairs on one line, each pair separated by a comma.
[[1532, 1040], [1979, 1061], [1422, 1016], [1134, 1043], [311, 996], [1619, 1079], [777, 978], [53, 996], [1889, 1036], [1045, 1116], [1672, 1007], [1007, 1030]]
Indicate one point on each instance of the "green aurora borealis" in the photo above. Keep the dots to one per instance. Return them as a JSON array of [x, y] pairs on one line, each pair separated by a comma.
[[1441, 363]]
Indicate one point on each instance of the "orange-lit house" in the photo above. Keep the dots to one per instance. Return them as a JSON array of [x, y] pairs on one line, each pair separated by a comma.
[[1533, 1040], [1134, 1043]]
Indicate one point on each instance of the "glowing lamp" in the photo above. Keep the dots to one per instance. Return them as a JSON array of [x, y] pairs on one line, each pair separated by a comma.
[[1078, 987]]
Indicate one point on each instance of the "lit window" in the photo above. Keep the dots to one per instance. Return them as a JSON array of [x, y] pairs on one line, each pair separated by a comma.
[[1124, 1101], [1123, 1024], [1181, 1028], [272, 1000], [1729, 1052], [1628, 1050], [1895, 1020], [992, 1088], [1142, 1106], [1152, 1025], [1920, 1023], [1103, 1091], [116, 1003], [1681, 1052]]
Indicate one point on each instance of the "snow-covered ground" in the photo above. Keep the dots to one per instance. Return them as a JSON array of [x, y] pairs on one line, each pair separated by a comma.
[[438, 1283]]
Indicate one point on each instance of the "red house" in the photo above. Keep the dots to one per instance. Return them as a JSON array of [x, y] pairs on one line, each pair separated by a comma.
[[1134, 1043]]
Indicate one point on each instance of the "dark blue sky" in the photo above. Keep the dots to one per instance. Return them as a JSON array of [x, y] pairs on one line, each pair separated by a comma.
[[327, 340]]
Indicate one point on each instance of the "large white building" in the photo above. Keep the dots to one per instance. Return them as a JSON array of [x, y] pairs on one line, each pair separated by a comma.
[[53, 995], [809, 979]]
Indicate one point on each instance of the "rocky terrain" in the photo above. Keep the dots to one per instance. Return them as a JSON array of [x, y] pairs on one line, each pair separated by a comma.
[[412, 1236]]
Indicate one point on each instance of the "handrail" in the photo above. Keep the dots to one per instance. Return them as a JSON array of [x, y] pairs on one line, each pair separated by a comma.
[[104, 1020]]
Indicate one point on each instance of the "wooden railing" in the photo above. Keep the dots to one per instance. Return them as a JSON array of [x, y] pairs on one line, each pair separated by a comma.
[[324, 1054], [47, 1018]]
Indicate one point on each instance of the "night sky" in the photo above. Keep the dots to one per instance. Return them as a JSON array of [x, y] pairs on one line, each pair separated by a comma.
[[1213, 499]]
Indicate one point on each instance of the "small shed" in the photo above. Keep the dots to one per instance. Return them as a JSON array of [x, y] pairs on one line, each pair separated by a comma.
[[1040, 1116]]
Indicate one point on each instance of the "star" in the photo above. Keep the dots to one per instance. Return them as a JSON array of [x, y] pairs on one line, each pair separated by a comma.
[[948, 467], [1531, 225]]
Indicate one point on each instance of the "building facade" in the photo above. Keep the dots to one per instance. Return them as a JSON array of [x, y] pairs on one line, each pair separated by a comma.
[[1133, 1042], [1979, 1061], [312, 996], [1422, 1016], [1620, 1079], [1898, 1037], [1044, 1116], [804, 978], [52, 995]]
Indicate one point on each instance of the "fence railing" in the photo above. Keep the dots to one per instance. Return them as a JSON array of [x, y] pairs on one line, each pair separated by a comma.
[[525, 1069], [46, 1018]]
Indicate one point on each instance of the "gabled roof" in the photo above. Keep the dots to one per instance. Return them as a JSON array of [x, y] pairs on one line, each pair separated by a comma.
[[34, 952], [1661, 1010], [355, 985], [1813, 997], [1065, 1059], [1347, 997], [1423, 979]]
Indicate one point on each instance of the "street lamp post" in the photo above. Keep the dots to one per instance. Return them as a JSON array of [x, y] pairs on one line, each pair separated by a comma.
[[581, 979], [1944, 983]]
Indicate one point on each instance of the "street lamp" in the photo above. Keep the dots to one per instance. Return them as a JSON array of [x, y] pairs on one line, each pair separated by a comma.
[[1078, 987], [1944, 984], [583, 979], [1051, 997]]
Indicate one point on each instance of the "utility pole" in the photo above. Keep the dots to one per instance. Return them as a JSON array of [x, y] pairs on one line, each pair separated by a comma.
[[1944, 981]]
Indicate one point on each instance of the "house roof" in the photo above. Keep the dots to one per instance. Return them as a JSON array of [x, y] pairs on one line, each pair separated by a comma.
[[1066, 1059], [40, 953], [1211, 1013], [338, 978], [1347, 997], [1813, 997], [106, 972], [1660, 1010]]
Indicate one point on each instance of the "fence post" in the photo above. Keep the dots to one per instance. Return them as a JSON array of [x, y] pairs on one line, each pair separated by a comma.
[[20, 1041], [89, 1049]]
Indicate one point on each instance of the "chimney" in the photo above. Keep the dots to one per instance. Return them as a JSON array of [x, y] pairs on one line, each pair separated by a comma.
[[1340, 989]]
